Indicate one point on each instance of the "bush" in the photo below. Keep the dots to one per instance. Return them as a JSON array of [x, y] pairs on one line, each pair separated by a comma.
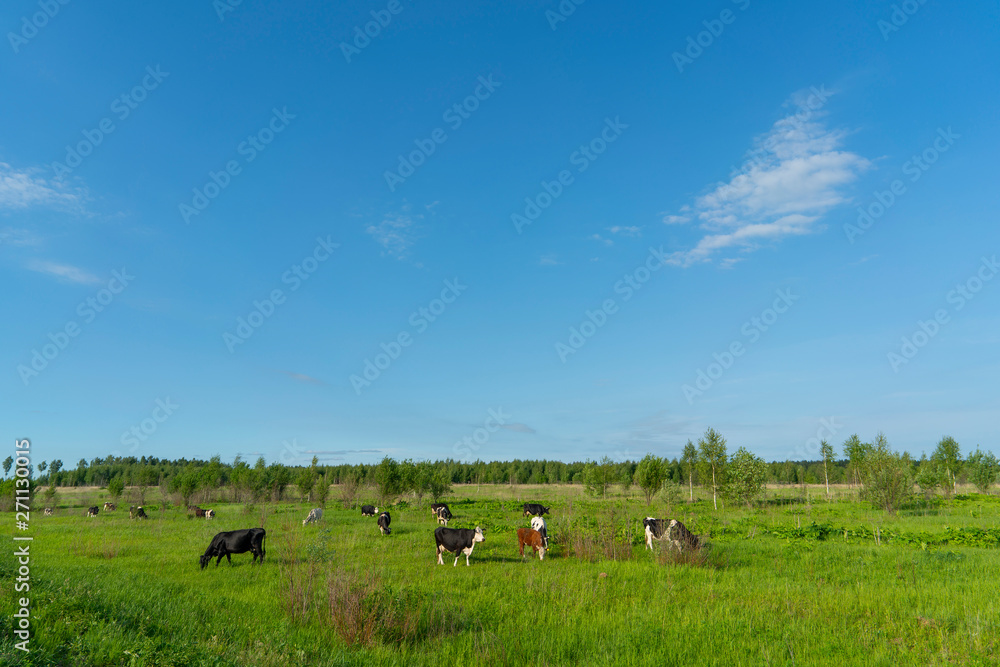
[[886, 476]]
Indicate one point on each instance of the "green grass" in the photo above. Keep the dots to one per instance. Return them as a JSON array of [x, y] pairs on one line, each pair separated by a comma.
[[772, 591]]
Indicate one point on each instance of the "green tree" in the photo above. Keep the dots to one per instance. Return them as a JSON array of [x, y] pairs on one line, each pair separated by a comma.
[[597, 477], [855, 451], [388, 480], [712, 461], [7, 463], [55, 467], [147, 476], [745, 477], [650, 475], [439, 484], [983, 469], [948, 456], [305, 481], [886, 476], [420, 479], [115, 488], [322, 489], [826, 451], [689, 463]]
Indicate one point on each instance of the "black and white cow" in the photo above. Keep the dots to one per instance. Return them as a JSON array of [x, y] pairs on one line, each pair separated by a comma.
[[678, 536], [383, 523], [315, 514], [443, 515], [92, 511], [209, 514], [538, 523], [110, 507], [369, 510], [235, 542], [654, 529], [436, 507], [534, 509], [136, 512], [458, 541], [49, 512]]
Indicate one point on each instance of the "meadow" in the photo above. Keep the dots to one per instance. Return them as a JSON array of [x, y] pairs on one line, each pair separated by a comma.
[[798, 580]]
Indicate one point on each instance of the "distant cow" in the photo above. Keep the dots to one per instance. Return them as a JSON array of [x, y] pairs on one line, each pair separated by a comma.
[[199, 512], [655, 529], [538, 523], [209, 514], [678, 536], [235, 542], [458, 541], [436, 507], [383, 523], [369, 510], [532, 538], [49, 512], [315, 514], [534, 509], [136, 512], [443, 515], [92, 511], [110, 507]]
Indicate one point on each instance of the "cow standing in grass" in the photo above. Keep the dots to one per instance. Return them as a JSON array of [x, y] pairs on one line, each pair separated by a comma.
[[49, 512], [110, 507], [458, 541], [235, 542], [538, 523], [532, 538], [383, 523], [534, 509], [315, 514], [369, 510], [136, 512], [92, 511], [443, 515]]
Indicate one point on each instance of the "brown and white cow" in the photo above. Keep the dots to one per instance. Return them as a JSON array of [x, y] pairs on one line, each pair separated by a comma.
[[531, 538], [110, 507]]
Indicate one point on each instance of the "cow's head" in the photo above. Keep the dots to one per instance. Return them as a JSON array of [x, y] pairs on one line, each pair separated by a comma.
[[541, 553], [478, 537], [205, 560]]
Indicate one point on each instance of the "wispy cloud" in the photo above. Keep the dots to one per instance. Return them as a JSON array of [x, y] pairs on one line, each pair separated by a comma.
[[19, 237], [299, 377], [64, 272], [625, 231], [601, 239], [676, 219], [798, 173], [549, 260], [520, 428], [20, 189], [396, 233]]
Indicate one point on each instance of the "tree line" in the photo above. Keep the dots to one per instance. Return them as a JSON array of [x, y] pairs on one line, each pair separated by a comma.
[[884, 476]]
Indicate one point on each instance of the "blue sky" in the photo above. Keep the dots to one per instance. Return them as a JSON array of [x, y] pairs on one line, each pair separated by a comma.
[[690, 178]]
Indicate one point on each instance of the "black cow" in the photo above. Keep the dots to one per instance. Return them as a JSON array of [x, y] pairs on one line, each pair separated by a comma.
[[681, 538], [383, 523], [136, 512], [235, 542], [534, 509], [92, 511], [458, 541], [369, 510]]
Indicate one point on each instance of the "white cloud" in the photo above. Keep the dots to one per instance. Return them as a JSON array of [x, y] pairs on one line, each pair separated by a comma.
[[797, 173], [624, 231], [21, 189], [601, 239], [675, 219], [548, 260], [63, 272], [396, 232]]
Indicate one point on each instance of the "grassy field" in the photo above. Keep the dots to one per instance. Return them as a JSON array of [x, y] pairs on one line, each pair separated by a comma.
[[800, 581]]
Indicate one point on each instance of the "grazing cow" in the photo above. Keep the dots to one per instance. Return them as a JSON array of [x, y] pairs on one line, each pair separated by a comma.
[[315, 514], [92, 511], [368, 510], [533, 539], [436, 507], [136, 512], [235, 542], [209, 514], [534, 509], [538, 523], [110, 507], [458, 541], [681, 538], [49, 512], [443, 515], [383, 523]]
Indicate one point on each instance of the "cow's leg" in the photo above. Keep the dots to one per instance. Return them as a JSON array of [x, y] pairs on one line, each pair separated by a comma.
[[440, 558]]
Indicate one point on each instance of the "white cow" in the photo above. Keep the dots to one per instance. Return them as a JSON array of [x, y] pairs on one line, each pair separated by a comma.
[[315, 514], [538, 523]]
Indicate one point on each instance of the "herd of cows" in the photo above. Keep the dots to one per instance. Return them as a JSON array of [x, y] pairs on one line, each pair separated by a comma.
[[457, 541]]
